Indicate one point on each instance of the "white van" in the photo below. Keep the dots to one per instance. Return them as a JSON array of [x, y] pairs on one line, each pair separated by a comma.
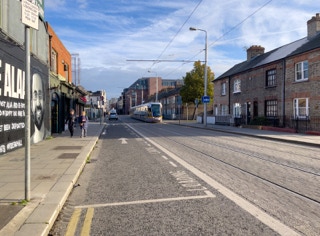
[[113, 115]]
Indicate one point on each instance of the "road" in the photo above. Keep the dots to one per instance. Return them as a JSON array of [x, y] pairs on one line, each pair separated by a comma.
[[162, 179]]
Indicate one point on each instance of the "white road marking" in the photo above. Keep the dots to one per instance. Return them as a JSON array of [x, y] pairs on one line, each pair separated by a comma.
[[174, 165], [268, 220], [208, 195], [164, 157], [123, 140]]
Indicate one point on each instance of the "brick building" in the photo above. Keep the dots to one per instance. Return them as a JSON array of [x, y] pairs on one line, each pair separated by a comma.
[[143, 90], [64, 93], [280, 87]]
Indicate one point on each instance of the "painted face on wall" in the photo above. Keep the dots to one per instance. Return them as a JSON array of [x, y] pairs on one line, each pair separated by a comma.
[[37, 100]]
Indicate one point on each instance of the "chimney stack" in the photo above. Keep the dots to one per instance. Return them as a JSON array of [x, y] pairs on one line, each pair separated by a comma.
[[253, 51], [313, 26]]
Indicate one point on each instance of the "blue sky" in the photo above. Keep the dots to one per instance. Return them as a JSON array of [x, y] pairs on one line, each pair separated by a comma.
[[108, 33]]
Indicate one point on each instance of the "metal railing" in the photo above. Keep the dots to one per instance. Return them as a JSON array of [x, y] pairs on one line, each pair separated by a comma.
[[300, 125]]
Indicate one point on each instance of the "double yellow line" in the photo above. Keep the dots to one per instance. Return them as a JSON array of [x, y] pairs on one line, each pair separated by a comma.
[[72, 226]]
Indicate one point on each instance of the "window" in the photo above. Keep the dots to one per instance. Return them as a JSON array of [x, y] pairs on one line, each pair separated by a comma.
[[223, 89], [271, 107], [237, 86], [271, 78], [54, 61], [236, 110], [301, 71], [224, 110], [301, 107]]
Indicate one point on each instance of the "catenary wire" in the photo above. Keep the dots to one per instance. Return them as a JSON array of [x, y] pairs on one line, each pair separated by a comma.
[[223, 35], [188, 18]]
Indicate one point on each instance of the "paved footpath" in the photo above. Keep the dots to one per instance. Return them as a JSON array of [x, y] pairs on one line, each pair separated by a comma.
[[297, 138], [56, 164], [55, 167]]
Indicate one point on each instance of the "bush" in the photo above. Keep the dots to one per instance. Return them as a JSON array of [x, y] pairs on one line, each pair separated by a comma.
[[260, 120], [265, 121]]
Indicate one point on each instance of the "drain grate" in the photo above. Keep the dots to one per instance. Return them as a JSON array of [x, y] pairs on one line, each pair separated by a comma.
[[67, 147], [68, 156]]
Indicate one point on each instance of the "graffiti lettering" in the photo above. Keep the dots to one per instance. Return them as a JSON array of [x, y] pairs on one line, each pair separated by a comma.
[[17, 125], [2, 149], [6, 127], [14, 82], [15, 144]]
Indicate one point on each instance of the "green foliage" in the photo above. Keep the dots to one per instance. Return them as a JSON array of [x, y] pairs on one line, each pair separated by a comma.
[[194, 83]]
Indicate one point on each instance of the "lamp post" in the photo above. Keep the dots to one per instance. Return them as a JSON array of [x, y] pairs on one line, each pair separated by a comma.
[[205, 72], [156, 84]]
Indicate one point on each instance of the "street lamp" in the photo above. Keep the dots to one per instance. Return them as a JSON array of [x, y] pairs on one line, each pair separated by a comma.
[[205, 73], [156, 83]]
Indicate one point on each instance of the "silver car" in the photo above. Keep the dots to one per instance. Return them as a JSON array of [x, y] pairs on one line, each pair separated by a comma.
[[113, 116]]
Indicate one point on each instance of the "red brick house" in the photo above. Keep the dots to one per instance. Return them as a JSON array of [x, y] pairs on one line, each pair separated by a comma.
[[279, 88]]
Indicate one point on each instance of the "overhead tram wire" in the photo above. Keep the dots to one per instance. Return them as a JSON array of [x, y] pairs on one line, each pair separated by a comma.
[[241, 22], [196, 7], [233, 28]]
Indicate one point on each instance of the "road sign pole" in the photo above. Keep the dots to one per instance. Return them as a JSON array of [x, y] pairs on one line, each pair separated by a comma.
[[30, 18], [27, 113]]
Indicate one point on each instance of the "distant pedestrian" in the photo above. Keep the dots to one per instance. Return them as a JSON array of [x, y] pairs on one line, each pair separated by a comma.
[[83, 121], [71, 122]]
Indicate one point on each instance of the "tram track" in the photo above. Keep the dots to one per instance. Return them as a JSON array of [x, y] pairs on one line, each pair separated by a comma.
[[265, 158], [195, 148], [257, 176]]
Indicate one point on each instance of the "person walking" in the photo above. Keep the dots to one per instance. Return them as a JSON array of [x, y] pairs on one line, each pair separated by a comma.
[[71, 121], [83, 121]]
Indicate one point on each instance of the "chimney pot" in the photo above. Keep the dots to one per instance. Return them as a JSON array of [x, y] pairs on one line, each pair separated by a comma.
[[253, 51], [313, 26]]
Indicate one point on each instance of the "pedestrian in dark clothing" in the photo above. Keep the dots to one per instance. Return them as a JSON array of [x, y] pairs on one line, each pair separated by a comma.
[[83, 121], [71, 121]]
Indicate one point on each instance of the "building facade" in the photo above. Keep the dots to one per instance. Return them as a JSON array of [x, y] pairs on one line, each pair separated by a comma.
[[96, 105], [12, 80], [65, 95], [279, 88], [145, 89]]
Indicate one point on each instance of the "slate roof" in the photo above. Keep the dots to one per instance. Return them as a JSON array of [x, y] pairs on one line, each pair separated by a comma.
[[298, 47]]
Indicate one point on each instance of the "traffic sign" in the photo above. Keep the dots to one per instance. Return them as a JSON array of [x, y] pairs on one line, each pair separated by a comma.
[[205, 99], [30, 14]]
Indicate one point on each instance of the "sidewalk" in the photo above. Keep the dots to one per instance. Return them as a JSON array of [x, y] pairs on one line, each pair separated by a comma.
[[297, 138], [55, 167]]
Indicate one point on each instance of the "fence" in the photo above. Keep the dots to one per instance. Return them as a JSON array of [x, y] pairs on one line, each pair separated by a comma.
[[301, 125]]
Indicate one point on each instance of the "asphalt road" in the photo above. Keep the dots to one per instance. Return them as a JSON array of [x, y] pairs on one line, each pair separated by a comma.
[[159, 179]]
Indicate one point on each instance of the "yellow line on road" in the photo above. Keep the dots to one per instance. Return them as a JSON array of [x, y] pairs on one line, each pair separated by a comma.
[[87, 222], [72, 226]]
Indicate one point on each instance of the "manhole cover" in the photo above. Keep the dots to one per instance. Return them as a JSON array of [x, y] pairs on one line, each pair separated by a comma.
[[67, 147], [68, 156]]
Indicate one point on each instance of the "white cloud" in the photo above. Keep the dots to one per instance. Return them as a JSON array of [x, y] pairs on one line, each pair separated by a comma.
[[106, 37]]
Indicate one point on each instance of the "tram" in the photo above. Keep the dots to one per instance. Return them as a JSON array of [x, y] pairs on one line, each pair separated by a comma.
[[148, 112]]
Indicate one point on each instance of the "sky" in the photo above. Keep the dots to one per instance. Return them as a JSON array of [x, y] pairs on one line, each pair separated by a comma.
[[120, 41]]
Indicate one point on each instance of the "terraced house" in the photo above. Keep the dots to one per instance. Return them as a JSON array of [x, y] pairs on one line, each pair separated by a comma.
[[278, 88]]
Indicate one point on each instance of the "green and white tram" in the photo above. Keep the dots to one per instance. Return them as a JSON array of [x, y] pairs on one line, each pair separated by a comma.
[[148, 112]]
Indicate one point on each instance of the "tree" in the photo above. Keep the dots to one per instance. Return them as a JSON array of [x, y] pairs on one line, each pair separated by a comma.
[[193, 87]]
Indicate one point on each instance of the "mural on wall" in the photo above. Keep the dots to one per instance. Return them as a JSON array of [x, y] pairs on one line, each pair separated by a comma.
[[12, 99], [37, 108]]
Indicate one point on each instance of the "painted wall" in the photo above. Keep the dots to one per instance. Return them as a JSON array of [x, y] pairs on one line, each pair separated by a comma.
[[12, 97]]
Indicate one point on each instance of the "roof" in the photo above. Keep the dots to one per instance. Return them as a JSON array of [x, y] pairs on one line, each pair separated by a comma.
[[298, 47]]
